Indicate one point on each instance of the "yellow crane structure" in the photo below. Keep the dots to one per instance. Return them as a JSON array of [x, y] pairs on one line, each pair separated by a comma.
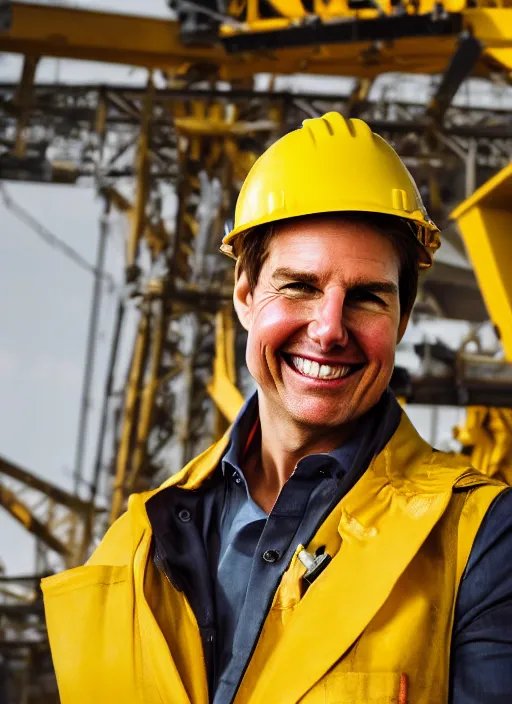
[[191, 134]]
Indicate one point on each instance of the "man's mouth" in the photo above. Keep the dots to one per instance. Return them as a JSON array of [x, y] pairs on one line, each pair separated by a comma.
[[316, 370]]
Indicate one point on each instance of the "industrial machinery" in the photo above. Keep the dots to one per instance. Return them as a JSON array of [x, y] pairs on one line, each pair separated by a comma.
[[209, 108]]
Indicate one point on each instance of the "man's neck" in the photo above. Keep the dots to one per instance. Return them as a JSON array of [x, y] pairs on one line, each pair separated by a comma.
[[276, 449]]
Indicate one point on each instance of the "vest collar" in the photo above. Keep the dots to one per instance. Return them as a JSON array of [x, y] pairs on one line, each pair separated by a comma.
[[406, 461]]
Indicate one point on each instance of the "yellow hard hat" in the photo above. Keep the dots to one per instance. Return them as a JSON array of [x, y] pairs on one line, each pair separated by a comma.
[[331, 165]]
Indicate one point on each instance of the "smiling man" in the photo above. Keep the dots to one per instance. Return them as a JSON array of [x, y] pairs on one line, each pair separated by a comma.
[[321, 552]]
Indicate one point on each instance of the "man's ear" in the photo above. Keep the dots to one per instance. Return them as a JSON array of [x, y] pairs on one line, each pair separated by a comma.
[[402, 326], [242, 300]]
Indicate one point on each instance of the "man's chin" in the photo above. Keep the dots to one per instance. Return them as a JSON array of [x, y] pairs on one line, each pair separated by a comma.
[[318, 413], [326, 411]]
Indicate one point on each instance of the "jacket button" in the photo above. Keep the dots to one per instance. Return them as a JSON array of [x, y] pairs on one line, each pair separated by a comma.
[[271, 555], [184, 515]]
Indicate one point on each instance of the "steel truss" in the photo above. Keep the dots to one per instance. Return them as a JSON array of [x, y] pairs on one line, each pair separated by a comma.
[[83, 131], [198, 143]]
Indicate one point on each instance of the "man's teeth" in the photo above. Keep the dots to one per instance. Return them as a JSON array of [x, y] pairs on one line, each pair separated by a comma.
[[319, 371]]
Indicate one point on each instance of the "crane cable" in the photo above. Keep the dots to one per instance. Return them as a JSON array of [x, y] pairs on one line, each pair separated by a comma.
[[53, 240]]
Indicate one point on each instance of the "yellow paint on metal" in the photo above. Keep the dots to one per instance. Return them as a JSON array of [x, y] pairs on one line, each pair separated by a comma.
[[44, 30], [486, 436], [499, 424], [22, 513], [142, 181], [132, 397], [475, 435], [159, 329], [493, 27], [293, 11], [140, 41], [221, 388], [155, 234], [485, 222], [212, 127]]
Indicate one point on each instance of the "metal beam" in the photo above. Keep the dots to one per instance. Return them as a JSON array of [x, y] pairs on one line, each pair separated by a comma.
[[55, 493], [23, 514], [79, 103], [221, 388], [485, 221], [349, 30], [461, 66], [448, 391], [43, 30]]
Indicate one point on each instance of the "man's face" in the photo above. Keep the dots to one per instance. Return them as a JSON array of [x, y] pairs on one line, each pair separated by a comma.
[[323, 320]]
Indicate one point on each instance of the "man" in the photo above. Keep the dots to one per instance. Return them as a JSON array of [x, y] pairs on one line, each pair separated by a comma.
[[321, 551]]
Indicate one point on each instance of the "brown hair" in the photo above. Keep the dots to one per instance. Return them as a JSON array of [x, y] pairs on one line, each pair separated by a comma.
[[254, 250]]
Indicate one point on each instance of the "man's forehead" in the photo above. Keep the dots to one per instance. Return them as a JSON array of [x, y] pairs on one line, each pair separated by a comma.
[[330, 243], [324, 262], [328, 232]]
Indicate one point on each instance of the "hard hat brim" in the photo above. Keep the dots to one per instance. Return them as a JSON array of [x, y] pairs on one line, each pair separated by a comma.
[[426, 234]]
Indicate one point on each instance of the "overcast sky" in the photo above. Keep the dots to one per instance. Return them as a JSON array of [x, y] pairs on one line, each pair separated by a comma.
[[45, 309]]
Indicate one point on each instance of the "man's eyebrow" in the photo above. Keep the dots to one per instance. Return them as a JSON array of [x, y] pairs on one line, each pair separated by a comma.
[[385, 287], [382, 287], [284, 272]]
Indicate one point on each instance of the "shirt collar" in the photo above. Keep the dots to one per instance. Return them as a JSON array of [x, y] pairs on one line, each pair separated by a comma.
[[338, 460], [244, 422]]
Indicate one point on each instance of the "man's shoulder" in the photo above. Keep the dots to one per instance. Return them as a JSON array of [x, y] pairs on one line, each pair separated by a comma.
[[482, 641], [487, 579], [117, 545], [495, 532]]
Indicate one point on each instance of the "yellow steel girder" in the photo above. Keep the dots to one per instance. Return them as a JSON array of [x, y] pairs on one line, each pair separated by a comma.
[[132, 395], [486, 437], [22, 513], [44, 526], [154, 43], [485, 221], [156, 235], [222, 388], [292, 11]]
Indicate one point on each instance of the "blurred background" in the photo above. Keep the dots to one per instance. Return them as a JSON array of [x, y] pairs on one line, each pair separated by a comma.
[[126, 130]]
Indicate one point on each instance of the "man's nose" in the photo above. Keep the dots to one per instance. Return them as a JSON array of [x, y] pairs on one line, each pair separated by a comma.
[[327, 328]]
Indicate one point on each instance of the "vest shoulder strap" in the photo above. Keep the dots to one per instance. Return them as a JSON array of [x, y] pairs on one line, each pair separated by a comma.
[[480, 492]]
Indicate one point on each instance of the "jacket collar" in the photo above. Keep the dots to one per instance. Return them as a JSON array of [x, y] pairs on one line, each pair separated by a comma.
[[371, 434], [382, 419]]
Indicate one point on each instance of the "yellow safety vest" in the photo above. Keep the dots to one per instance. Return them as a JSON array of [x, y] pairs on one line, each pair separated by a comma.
[[374, 628]]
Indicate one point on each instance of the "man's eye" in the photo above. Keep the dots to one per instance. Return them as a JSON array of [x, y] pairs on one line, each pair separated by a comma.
[[299, 286], [364, 297]]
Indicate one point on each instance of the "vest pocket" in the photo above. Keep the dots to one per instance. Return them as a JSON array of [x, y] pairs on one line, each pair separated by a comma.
[[366, 688], [90, 617], [81, 577]]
